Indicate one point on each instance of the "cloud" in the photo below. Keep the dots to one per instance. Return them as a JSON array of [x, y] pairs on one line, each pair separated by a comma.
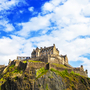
[[31, 9], [34, 24], [7, 4], [6, 7], [11, 48], [6, 26], [85, 10]]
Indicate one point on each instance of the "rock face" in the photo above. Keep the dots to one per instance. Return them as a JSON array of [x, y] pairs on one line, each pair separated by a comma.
[[33, 78], [50, 81]]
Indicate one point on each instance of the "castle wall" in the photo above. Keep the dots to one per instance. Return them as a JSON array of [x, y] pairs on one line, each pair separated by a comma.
[[42, 58], [35, 65], [76, 70], [22, 65], [2, 66], [55, 59], [59, 68]]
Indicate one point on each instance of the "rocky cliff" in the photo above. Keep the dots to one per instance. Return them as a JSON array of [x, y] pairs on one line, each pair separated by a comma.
[[16, 78]]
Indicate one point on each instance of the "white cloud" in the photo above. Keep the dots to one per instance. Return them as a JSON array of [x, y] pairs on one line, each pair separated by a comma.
[[85, 10], [48, 7], [5, 4], [31, 9], [34, 24], [7, 27], [10, 48]]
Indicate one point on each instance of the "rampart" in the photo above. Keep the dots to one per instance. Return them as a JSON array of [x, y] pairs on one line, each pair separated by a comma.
[[36, 65], [75, 70], [2, 66]]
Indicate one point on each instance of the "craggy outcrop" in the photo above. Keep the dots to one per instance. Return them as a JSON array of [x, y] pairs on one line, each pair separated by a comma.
[[34, 75]]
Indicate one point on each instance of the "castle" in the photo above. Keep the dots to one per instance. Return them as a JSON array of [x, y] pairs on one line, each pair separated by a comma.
[[48, 56], [51, 55]]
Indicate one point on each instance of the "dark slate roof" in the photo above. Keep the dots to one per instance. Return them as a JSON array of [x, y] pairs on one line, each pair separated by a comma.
[[46, 48]]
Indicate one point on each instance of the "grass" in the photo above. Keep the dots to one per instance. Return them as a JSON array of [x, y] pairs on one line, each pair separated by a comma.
[[33, 61], [59, 65], [77, 74], [24, 61], [40, 72], [47, 87], [68, 77], [63, 73], [25, 78], [12, 66], [16, 78]]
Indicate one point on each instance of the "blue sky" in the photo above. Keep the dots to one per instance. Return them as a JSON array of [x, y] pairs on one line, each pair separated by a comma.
[[26, 24]]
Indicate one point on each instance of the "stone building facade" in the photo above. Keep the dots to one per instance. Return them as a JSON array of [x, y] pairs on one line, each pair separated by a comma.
[[44, 51], [49, 55], [22, 57]]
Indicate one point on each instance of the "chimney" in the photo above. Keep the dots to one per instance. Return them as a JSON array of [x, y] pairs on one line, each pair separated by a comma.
[[53, 44], [40, 47]]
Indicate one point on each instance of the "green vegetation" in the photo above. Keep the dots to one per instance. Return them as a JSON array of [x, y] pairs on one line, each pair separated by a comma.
[[33, 61], [24, 61], [25, 78], [40, 72], [16, 78], [63, 73], [77, 74], [47, 87], [12, 66], [69, 77], [59, 65]]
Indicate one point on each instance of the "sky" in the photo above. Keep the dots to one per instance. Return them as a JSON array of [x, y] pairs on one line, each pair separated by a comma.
[[27, 24]]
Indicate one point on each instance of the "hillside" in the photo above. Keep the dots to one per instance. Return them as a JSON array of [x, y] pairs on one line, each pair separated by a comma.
[[19, 78]]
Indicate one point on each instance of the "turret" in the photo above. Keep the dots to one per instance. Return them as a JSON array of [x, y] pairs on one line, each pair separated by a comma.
[[86, 71], [66, 59], [9, 61], [81, 68], [37, 52]]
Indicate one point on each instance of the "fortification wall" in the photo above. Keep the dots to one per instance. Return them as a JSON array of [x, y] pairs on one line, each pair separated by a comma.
[[60, 68], [68, 65], [55, 59], [2, 66], [80, 71], [76, 70], [35, 65], [51, 59], [41, 58]]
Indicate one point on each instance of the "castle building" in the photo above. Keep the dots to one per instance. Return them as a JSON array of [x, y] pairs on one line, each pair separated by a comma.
[[49, 55], [22, 57], [44, 51]]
